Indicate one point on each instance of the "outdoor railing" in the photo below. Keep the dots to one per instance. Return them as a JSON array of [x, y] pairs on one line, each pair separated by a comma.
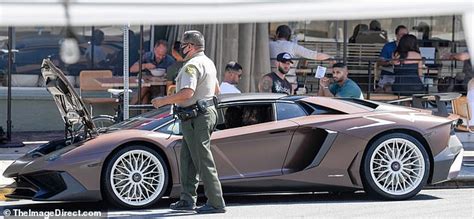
[[366, 77]]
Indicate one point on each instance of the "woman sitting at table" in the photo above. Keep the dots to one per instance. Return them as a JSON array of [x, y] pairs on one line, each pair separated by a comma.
[[408, 67]]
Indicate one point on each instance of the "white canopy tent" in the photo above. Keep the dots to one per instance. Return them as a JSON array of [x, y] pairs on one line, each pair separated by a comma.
[[121, 12], [138, 12], [97, 12]]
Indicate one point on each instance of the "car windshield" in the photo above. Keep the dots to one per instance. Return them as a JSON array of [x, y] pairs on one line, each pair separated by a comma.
[[146, 121]]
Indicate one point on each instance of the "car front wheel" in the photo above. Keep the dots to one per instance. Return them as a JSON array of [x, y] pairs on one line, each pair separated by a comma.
[[135, 177], [395, 167]]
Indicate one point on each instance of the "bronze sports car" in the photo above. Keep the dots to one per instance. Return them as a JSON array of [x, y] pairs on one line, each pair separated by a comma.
[[262, 142]]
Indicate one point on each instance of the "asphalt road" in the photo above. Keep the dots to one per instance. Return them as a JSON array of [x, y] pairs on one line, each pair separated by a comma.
[[434, 203]]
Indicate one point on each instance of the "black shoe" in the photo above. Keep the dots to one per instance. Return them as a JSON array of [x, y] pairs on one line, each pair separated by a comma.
[[182, 205], [207, 209]]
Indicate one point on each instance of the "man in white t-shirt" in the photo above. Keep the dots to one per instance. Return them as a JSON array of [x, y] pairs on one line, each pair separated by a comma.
[[282, 44], [232, 75]]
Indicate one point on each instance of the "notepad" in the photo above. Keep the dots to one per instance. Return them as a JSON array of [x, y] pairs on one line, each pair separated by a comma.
[[320, 72]]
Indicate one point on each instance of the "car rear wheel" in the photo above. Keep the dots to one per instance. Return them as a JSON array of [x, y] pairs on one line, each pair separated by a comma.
[[135, 177], [395, 167]]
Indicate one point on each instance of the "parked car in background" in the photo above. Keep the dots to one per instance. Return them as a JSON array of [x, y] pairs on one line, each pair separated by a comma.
[[30, 49]]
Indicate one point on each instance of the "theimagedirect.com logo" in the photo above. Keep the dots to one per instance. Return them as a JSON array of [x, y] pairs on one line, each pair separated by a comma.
[[47, 214]]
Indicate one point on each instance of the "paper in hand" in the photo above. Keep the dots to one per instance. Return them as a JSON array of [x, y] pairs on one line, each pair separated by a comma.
[[320, 72]]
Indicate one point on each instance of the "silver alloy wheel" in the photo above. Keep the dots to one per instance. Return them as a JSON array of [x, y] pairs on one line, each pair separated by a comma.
[[397, 166], [137, 177]]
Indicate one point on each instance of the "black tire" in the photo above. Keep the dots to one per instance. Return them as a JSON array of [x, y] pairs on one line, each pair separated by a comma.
[[415, 170], [110, 188]]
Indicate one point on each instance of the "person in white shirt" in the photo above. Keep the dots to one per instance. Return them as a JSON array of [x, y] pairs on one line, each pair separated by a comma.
[[232, 75], [284, 44]]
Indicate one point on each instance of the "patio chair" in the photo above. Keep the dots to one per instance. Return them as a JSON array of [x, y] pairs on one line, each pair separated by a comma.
[[87, 83], [462, 108], [170, 89]]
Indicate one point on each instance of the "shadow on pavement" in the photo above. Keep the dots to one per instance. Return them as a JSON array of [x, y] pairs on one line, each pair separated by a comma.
[[161, 208]]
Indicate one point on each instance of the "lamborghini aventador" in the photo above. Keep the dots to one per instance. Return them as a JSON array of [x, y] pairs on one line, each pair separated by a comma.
[[262, 143]]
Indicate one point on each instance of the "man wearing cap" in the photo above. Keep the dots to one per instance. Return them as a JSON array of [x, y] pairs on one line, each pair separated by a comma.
[[232, 75], [283, 43], [196, 85], [275, 82]]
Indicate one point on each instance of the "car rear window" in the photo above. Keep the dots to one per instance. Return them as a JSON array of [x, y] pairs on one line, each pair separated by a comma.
[[314, 109], [369, 105]]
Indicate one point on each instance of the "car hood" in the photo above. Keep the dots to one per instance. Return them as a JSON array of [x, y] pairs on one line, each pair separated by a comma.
[[70, 105]]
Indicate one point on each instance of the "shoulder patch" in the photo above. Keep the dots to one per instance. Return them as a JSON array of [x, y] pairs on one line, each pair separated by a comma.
[[190, 69]]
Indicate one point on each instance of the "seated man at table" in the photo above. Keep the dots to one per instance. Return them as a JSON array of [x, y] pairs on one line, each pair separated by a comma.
[[156, 59], [342, 85]]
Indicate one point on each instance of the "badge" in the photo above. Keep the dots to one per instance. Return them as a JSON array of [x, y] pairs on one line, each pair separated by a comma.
[[191, 69]]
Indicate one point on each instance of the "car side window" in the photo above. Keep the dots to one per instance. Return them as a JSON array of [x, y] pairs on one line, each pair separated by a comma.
[[171, 128], [236, 116], [289, 110]]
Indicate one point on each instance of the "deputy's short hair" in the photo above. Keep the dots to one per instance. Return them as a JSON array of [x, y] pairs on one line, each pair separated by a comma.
[[193, 37]]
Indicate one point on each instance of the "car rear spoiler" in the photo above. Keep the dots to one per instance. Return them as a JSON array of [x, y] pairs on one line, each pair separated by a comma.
[[421, 100]]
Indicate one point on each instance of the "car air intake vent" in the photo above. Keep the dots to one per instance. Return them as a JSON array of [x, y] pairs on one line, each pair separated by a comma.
[[49, 184], [306, 145]]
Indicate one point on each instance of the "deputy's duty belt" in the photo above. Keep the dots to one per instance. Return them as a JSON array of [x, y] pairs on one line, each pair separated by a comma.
[[203, 103], [189, 112]]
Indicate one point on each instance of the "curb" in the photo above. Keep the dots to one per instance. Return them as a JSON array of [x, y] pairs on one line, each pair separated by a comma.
[[454, 184]]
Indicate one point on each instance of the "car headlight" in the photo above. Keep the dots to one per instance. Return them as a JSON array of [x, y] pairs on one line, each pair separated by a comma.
[[53, 157], [57, 154]]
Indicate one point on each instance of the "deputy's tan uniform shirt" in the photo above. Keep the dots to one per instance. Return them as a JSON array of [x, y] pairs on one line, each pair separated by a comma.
[[199, 74]]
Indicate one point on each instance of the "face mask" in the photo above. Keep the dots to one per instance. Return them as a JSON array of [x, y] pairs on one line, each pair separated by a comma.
[[182, 53]]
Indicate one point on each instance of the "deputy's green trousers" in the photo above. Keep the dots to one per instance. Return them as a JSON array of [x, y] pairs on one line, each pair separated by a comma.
[[196, 160]]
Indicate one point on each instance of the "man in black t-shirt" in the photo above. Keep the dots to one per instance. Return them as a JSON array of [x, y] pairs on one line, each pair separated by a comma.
[[275, 82]]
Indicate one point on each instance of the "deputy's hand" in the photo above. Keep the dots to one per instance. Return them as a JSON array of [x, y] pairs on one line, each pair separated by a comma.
[[157, 102]]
